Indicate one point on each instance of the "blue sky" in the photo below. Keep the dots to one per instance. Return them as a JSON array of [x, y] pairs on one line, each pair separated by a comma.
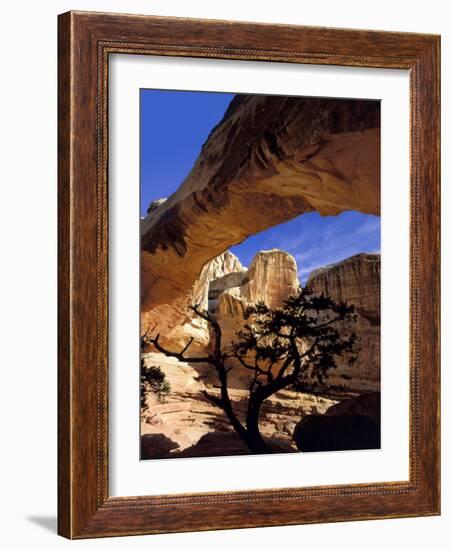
[[174, 125], [316, 241]]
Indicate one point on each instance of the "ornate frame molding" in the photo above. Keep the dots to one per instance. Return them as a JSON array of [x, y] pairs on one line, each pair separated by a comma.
[[85, 42]]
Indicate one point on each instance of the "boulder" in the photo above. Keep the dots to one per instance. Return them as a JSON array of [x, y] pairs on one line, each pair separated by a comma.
[[156, 446], [355, 280], [336, 433], [351, 424]]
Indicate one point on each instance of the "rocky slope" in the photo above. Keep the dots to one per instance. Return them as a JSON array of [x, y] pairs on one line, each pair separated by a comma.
[[187, 424]]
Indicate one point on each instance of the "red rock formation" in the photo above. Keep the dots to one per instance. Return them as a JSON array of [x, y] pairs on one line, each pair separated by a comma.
[[269, 160], [271, 278], [356, 280], [175, 322]]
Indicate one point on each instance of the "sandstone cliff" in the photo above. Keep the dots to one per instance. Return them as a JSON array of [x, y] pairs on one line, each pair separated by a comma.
[[270, 159], [226, 288], [187, 424], [356, 280], [176, 322], [271, 278]]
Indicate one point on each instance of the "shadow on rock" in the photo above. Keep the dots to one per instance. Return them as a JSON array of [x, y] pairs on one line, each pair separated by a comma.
[[218, 443], [367, 405], [353, 424], [156, 446], [215, 444], [228, 444]]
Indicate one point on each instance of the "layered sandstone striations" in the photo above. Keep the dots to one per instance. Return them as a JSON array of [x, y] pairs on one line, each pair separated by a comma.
[[350, 424], [270, 159], [187, 424], [356, 281], [176, 322], [271, 278]]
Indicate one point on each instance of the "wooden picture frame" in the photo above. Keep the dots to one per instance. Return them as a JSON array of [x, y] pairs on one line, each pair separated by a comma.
[[86, 40]]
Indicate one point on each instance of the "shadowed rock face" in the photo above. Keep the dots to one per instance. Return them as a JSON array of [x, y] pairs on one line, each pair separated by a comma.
[[272, 278], [348, 425], [217, 444], [337, 433], [156, 446], [269, 160], [356, 281]]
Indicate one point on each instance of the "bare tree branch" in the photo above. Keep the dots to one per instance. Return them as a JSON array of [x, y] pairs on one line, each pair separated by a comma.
[[180, 355], [189, 343], [213, 399], [273, 337], [247, 366]]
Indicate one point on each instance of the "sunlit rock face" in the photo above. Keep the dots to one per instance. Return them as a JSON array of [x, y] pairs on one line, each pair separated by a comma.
[[220, 268], [356, 280], [219, 286], [271, 278], [186, 417], [269, 160]]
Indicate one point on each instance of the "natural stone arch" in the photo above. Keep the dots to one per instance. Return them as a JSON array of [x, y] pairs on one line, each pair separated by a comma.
[[269, 160]]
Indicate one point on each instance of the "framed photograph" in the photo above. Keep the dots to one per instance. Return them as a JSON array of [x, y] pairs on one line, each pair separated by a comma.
[[248, 275]]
